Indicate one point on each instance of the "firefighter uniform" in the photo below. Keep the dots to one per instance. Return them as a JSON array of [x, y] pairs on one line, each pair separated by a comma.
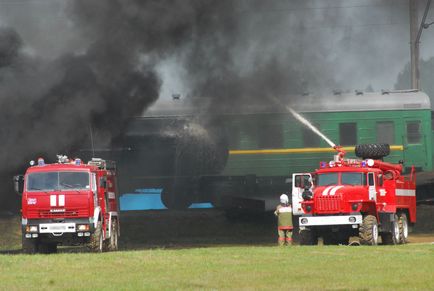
[[284, 223]]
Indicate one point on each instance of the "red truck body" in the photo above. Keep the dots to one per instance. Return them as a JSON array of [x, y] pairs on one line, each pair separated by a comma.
[[365, 198], [70, 203]]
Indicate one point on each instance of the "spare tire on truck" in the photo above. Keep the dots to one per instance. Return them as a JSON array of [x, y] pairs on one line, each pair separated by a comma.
[[374, 151]]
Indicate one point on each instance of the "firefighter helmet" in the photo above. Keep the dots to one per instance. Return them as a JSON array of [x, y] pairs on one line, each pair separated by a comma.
[[284, 199]]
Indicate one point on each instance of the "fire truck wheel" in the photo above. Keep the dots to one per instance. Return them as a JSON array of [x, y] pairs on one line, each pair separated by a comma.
[[96, 239], [368, 231], [308, 237], [372, 151], [403, 228], [30, 246], [113, 242]]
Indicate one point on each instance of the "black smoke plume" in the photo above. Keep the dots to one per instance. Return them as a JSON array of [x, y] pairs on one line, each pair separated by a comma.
[[233, 52]]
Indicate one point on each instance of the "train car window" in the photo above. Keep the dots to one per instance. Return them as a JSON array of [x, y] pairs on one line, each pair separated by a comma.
[[233, 135], [310, 139], [413, 132], [270, 136], [348, 133], [385, 132]]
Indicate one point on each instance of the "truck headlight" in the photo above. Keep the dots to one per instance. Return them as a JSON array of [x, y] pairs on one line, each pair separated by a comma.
[[355, 206], [31, 228], [352, 219], [303, 221], [82, 227], [308, 208]]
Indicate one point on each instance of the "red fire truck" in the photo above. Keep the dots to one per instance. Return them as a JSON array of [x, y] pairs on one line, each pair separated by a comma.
[[69, 203], [368, 198]]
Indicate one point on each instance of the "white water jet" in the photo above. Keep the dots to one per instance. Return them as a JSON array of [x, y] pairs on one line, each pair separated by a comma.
[[310, 126]]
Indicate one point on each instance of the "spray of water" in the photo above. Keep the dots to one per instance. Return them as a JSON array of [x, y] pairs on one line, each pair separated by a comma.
[[304, 121], [310, 126]]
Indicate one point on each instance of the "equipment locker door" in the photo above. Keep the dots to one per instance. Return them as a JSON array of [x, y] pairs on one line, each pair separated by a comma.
[[299, 181]]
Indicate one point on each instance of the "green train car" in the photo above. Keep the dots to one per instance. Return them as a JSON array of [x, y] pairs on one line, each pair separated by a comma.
[[244, 160]]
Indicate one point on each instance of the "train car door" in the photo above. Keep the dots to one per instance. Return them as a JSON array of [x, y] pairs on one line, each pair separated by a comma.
[[414, 144]]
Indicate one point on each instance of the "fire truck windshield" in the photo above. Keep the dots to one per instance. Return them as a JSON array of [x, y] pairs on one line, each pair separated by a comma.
[[356, 179], [327, 179], [57, 181], [347, 178]]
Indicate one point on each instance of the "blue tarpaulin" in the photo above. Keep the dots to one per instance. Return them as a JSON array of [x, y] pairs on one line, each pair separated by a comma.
[[148, 199]]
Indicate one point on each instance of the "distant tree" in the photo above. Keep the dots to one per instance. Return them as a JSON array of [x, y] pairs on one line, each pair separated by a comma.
[[426, 78]]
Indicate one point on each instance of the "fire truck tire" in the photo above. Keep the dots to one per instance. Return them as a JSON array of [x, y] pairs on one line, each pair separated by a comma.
[[403, 228], [30, 246], [372, 151], [368, 231], [308, 237], [96, 243], [391, 238], [113, 241]]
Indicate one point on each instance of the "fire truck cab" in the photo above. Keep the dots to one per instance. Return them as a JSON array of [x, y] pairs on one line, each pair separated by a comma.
[[69, 203], [366, 198]]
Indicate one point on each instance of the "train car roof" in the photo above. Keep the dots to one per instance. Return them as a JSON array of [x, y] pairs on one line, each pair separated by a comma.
[[337, 102]]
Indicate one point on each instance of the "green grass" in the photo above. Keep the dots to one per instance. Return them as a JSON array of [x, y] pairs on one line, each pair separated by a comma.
[[404, 267], [260, 266]]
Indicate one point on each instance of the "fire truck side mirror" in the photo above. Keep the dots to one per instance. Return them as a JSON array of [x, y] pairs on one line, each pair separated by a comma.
[[19, 184]]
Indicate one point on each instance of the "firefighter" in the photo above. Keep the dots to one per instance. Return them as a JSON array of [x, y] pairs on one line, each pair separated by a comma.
[[284, 220]]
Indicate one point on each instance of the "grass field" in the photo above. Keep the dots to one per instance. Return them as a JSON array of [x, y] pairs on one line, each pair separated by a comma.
[[408, 267], [211, 253]]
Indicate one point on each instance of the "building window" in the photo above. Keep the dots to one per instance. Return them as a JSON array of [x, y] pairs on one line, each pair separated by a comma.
[[413, 132], [310, 139], [348, 133], [385, 132]]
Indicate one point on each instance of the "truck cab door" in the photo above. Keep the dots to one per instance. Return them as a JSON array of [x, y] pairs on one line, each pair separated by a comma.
[[299, 181], [372, 187], [94, 190]]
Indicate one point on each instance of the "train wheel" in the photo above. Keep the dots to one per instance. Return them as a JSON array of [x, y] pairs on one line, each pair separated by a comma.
[[177, 198], [368, 231], [403, 228]]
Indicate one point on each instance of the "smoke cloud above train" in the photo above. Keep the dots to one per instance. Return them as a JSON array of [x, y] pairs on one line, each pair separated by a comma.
[[232, 52]]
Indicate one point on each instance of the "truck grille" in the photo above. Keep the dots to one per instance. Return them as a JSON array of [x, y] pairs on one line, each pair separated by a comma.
[[328, 204], [46, 213]]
